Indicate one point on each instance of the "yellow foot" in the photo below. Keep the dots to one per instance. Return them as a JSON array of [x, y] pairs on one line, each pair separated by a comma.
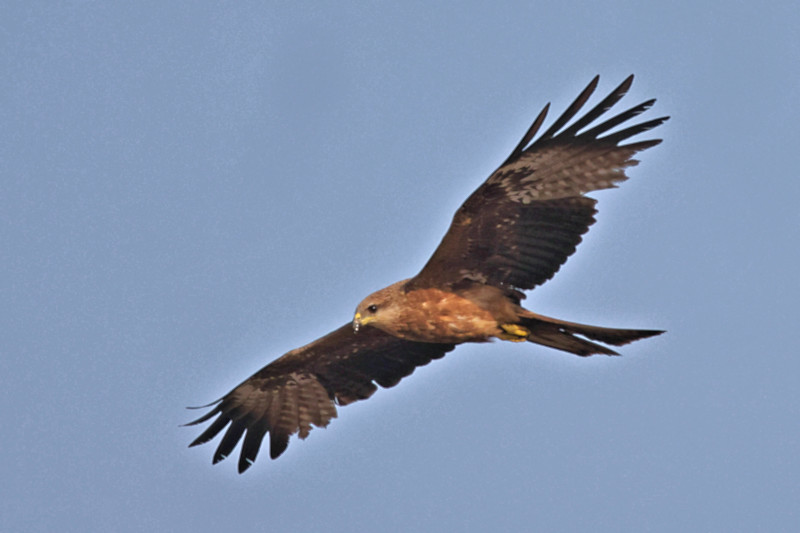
[[514, 333]]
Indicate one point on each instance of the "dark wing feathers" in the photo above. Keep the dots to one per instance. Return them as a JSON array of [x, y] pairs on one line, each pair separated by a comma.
[[526, 139], [553, 232], [574, 107], [522, 224], [607, 103], [301, 389]]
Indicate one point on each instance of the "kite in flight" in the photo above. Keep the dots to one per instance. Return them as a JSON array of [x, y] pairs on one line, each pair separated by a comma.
[[512, 234]]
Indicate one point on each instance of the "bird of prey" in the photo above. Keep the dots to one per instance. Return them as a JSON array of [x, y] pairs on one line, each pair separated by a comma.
[[512, 234]]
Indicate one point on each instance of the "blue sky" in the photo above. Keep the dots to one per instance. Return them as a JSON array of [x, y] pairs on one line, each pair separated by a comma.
[[187, 192]]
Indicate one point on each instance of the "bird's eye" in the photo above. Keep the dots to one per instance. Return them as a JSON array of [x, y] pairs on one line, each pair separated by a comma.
[[372, 308]]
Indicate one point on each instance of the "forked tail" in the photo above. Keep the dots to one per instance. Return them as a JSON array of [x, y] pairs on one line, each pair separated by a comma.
[[561, 335]]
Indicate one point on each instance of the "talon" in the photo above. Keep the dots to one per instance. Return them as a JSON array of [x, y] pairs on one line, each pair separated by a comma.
[[514, 333]]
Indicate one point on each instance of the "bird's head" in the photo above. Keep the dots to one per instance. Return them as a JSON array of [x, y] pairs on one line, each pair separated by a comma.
[[379, 309]]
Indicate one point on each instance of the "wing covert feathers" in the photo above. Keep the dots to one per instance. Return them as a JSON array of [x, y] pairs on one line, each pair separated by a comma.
[[521, 225], [300, 390]]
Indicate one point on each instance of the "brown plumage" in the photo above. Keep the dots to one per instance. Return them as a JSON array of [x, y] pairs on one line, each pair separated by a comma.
[[512, 234]]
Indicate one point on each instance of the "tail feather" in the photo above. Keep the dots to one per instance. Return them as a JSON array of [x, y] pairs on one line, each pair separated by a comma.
[[561, 335]]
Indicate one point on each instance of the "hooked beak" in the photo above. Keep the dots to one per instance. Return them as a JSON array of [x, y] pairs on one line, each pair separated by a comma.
[[358, 321]]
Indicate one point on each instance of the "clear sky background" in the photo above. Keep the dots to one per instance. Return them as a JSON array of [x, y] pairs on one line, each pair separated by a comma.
[[187, 192]]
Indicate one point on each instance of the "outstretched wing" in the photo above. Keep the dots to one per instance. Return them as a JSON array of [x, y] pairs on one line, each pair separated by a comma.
[[303, 386], [521, 225]]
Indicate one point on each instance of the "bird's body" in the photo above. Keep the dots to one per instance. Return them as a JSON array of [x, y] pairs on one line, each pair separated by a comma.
[[436, 315], [477, 313], [511, 235]]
